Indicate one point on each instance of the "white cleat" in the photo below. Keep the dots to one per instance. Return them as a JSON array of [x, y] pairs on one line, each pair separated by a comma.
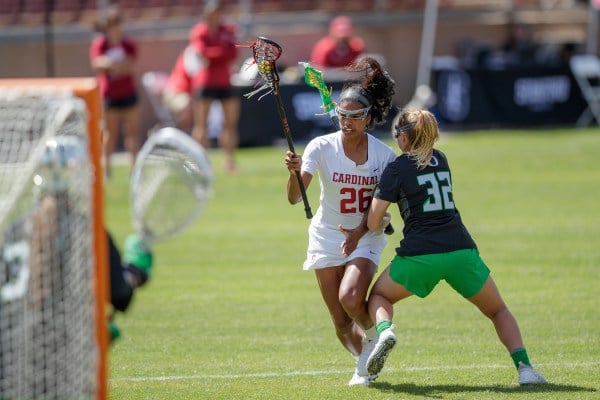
[[383, 347], [367, 348], [361, 380], [529, 376]]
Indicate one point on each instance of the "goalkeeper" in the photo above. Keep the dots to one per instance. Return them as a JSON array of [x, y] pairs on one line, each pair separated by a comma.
[[60, 172]]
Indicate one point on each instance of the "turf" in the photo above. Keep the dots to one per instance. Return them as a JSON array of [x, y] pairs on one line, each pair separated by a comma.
[[229, 313]]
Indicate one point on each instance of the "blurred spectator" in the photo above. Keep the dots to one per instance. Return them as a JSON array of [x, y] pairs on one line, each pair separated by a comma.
[[113, 57], [565, 52], [214, 43], [340, 47], [520, 48], [177, 95]]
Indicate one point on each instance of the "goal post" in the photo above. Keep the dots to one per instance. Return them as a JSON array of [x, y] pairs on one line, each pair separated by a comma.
[[34, 113]]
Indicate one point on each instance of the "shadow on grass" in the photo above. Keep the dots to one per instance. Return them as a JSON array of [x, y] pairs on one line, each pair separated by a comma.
[[436, 391]]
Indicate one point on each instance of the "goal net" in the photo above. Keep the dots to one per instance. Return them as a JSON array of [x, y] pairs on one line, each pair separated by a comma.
[[50, 346]]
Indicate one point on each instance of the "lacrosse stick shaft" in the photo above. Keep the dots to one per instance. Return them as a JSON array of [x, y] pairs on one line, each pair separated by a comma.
[[288, 136], [266, 52]]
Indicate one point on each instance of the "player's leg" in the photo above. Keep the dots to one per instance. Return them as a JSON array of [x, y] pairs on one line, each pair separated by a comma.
[[185, 118], [490, 302], [229, 138], [353, 294], [131, 130], [353, 290], [110, 134], [469, 276], [348, 333], [384, 294], [200, 110]]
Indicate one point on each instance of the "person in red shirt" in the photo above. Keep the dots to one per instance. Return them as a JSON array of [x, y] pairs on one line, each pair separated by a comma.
[[340, 48], [113, 56], [177, 94], [214, 42]]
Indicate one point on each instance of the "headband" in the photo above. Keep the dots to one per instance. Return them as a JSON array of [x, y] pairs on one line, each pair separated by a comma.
[[355, 93], [405, 128]]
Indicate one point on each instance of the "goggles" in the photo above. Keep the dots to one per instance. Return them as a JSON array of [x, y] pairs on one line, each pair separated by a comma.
[[361, 114]]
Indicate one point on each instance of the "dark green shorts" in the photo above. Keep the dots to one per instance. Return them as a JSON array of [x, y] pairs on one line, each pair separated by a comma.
[[464, 270]]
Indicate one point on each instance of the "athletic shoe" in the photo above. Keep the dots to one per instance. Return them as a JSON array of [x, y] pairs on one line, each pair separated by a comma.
[[367, 348], [385, 344], [138, 253], [360, 380], [529, 376]]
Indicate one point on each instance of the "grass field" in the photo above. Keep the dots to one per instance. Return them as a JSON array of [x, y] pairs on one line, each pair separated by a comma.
[[229, 313]]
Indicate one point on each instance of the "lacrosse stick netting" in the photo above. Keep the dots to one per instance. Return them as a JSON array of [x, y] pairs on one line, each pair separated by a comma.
[[171, 166]]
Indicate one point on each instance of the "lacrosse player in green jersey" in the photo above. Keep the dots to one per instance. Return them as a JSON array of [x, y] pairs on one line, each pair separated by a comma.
[[436, 244]]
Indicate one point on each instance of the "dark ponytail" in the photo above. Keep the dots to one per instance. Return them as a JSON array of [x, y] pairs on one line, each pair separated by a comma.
[[376, 86]]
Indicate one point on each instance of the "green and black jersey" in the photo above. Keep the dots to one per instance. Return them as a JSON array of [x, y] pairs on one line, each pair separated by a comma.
[[432, 223]]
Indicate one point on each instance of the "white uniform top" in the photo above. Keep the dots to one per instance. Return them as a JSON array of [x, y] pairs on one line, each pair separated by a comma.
[[346, 191]]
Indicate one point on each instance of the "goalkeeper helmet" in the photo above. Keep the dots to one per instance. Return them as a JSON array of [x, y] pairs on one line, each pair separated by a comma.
[[63, 166]]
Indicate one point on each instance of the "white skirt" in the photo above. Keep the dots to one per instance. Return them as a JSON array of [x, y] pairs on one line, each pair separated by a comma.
[[324, 247]]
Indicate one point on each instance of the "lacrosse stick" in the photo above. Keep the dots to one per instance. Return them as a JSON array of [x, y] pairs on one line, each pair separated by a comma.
[[170, 168], [314, 78], [266, 52]]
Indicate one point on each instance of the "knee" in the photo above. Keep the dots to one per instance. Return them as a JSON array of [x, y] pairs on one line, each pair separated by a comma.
[[498, 312], [352, 302]]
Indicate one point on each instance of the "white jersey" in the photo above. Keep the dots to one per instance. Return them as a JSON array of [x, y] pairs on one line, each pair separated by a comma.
[[346, 192]]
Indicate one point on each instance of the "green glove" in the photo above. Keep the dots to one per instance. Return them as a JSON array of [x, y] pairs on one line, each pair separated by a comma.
[[114, 331], [137, 253]]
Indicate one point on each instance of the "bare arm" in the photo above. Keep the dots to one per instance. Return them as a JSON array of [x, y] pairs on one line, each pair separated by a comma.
[[293, 162], [378, 216], [105, 64], [102, 64], [354, 235]]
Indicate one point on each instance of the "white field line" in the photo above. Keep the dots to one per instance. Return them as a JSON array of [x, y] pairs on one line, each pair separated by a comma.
[[590, 364]]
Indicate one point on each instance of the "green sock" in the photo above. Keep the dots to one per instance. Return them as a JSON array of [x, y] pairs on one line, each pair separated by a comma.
[[383, 325], [520, 355]]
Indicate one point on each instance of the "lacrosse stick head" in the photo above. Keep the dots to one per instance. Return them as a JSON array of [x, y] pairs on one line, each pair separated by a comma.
[[265, 53], [314, 78], [171, 182]]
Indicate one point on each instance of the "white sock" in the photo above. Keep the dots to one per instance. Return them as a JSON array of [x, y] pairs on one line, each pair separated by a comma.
[[371, 332]]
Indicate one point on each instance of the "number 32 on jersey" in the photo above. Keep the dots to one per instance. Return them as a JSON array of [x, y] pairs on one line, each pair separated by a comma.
[[439, 190]]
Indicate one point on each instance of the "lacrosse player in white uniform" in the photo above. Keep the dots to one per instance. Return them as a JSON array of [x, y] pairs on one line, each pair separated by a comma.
[[341, 251]]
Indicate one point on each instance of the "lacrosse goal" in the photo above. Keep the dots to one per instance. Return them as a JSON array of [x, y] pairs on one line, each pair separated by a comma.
[[53, 252]]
